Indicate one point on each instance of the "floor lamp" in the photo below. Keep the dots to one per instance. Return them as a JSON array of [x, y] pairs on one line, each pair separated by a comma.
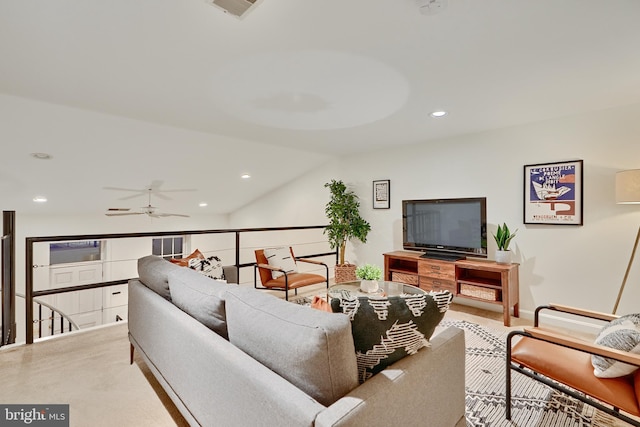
[[627, 192]]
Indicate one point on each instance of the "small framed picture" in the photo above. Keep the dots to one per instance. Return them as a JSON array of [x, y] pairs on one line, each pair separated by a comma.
[[553, 193], [381, 194]]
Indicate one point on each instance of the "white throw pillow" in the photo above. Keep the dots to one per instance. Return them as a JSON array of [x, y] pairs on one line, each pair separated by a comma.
[[621, 334], [280, 258], [210, 267]]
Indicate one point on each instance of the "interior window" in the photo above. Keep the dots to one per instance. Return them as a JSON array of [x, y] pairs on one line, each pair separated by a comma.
[[167, 247], [68, 252]]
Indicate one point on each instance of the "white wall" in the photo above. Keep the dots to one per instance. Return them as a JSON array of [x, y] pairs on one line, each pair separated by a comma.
[[577, 265]]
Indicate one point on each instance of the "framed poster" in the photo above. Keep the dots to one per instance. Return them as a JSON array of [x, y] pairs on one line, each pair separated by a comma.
[[553, 193], [381, 194]]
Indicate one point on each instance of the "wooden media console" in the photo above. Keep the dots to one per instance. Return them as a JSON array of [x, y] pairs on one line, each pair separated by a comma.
[[480, 280]]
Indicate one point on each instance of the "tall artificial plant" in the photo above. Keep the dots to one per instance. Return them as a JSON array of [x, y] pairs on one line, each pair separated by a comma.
[[345, 222], [503, 237]]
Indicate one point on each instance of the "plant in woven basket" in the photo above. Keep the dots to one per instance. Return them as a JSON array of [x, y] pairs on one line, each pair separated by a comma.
[[369, 272], [345, 222]]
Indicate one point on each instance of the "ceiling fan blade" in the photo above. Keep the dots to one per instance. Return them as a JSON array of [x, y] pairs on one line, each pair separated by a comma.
[[123, 213], [133, 196], [161, 193], [171, 214], [161, 196], [138, 193], [122, 189]]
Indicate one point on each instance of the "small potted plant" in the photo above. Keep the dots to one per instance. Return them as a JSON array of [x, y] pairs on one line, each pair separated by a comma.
[[503, 238], [369, 275]]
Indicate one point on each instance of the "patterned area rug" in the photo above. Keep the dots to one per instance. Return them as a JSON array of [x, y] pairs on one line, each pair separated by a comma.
[[533, 403]]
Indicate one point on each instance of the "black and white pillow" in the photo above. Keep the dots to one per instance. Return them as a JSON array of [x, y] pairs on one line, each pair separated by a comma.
[[280, 258], [622, 334], [386, 329], [210, 267]]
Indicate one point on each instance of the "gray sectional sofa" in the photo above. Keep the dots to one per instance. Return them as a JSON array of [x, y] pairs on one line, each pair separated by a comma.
[[229, 355]]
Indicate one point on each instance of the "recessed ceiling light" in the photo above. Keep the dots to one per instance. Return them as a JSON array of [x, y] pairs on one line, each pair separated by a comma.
[[245, 176], [42, 156], [437, 114], [39, 199], [203, 204]]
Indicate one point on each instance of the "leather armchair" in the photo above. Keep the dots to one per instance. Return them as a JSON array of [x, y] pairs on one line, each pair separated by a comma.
[[288, 280], [563, 362]]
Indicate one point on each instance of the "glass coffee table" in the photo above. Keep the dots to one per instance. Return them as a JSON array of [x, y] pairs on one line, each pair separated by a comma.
[[385, 288]]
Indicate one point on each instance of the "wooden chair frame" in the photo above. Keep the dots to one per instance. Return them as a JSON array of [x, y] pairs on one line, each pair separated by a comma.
[[569, 342]]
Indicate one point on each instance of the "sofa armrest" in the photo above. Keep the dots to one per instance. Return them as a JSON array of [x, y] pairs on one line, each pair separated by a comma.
[[230, 273], [426, 388]]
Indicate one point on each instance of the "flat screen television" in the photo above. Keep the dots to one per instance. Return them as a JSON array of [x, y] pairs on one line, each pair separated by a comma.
[[446, 228]]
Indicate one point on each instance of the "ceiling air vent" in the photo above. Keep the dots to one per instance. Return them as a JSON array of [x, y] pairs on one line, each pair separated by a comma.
[[234, 7]]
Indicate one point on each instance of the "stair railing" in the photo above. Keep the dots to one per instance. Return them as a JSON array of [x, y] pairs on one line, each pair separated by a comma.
[[67, 324]]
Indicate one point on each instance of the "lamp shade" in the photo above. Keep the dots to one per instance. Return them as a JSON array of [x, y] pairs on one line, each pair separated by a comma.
[[628, 186]]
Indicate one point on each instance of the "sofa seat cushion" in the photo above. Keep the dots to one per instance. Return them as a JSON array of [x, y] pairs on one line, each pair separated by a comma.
[[573, 368], [200, 297], [312, 349], [387, 329], [153, 271]]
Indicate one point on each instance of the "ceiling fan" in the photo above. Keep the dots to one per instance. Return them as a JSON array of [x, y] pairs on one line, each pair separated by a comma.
[[148, 210], [153, 188]]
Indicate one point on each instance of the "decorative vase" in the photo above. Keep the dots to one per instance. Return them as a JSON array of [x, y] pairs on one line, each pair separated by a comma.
[[344, 273], [503, 257], [369, 285]]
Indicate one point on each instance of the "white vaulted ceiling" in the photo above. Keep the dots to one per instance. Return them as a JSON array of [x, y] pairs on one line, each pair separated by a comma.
[[178, 91]]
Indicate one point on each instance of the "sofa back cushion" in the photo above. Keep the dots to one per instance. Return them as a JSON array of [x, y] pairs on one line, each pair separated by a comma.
[[312, 349], [153, 272], [201, 297]]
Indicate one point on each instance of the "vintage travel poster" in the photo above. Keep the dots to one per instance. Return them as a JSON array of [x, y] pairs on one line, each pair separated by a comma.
[[553, 193]]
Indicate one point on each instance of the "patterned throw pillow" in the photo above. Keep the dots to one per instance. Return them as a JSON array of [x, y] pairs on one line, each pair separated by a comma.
[[280, 258], [210, 267], [184, 262], [386, 329], [622, 334]]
